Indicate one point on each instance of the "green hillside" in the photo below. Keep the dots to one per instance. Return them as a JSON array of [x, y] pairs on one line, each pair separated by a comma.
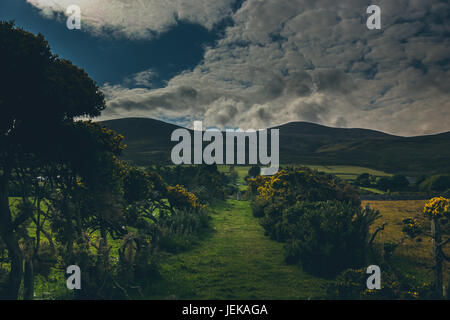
[[149, 142]]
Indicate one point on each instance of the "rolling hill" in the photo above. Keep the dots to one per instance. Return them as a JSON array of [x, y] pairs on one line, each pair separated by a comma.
[[148, 142]]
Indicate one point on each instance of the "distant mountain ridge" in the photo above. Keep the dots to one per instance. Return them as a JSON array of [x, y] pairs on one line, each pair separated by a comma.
[[148, 142]]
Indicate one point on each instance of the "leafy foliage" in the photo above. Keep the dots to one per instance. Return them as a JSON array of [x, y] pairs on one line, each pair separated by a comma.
[[206, 181], [326, 237], [317, 216], [351, 285], [394, 183], [438, 183]]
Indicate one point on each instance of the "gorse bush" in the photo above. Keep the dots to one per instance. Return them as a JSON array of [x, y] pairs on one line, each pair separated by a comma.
[[293, 184], [179, 197], [326, 237], [206, 181], [258, 207], [316, 215]]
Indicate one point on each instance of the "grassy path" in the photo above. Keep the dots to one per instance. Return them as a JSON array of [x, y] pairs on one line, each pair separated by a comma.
[[236, 262]]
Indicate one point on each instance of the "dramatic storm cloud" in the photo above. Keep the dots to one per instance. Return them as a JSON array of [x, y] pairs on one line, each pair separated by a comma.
[[288, 60], [138, 19]]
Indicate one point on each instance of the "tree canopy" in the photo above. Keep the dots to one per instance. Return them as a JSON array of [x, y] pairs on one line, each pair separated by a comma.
[[41, 97]]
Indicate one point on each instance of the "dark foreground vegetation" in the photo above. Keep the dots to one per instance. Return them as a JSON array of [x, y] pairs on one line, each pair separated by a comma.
[[66, 198]]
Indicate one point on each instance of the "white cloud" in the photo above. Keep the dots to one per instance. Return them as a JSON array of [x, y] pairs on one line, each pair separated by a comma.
[[138, 19], [287, 60]]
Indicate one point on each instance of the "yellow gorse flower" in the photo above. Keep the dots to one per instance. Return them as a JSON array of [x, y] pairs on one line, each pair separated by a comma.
[[437, 207], [184, 197]]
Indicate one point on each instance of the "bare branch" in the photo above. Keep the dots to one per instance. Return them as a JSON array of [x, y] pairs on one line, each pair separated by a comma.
[[380, 228], [443, 243]]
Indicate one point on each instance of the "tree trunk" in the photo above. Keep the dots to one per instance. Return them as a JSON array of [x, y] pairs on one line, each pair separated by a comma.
[[437, 256], [11, 289], [28, 280]]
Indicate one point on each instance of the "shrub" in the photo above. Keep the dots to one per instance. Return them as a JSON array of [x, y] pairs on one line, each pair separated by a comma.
[[394, 183], [411, 227], [326, 237], [317, 215], [180, 198], [364, 180], [254, 183], [206, 181], [437, 207], [181, 230], [351, 285], [303, 184], [438, 183], [254, 171], [137, 259], [258, 206]]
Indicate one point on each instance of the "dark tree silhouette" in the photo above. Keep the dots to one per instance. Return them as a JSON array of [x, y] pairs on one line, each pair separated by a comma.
[[40, 96]]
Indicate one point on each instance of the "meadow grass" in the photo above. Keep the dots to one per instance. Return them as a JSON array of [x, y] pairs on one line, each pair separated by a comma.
[[414, 257], [377, 191], [237, 262]]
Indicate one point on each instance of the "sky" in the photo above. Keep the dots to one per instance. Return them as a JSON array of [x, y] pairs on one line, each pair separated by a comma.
[[258, 63]]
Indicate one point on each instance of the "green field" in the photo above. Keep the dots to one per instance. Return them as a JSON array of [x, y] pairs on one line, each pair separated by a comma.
[[348, 173], [373, 190], [237, 262]]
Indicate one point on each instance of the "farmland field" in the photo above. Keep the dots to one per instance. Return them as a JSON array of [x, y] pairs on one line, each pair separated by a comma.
[[343, 172], [413, 256], [349, 172]]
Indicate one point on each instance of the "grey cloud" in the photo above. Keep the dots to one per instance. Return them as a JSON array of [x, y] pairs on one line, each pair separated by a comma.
[[334, 81], [287, 60], [311, 112], [222, 116], [299, 83]]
